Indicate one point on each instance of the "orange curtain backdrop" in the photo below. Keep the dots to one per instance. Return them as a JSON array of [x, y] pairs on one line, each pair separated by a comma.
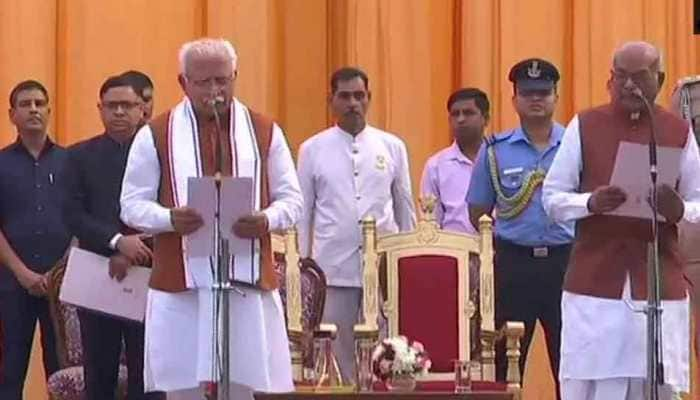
[[415, 52]]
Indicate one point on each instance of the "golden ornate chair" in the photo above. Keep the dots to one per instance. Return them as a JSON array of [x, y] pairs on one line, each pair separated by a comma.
[[427, 297], [303, 293]]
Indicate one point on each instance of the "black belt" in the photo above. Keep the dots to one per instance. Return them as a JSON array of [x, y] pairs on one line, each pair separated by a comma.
[[543, 251]]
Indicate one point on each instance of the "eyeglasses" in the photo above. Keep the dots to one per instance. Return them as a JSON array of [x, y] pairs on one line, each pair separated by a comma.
[[638, 77], [218, 81], [124, 105]]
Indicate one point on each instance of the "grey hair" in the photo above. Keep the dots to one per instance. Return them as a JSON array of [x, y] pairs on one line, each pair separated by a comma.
[[206, 47]]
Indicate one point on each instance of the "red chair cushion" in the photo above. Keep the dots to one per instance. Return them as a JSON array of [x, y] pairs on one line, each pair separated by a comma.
[[428, 306]]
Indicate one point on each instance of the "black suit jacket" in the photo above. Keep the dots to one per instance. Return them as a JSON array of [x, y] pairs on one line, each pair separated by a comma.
[[95, 172]]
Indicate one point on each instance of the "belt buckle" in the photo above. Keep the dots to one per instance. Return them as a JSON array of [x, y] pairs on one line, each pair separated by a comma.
[[540, 252]]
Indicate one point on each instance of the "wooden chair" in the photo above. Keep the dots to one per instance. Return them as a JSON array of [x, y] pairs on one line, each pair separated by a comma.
[[303, 293], [428, 298]]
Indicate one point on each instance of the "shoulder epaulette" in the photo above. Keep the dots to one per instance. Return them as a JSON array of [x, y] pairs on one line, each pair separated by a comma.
[[495, 138]]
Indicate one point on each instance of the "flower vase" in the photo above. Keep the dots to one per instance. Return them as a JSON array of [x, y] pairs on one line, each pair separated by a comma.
[[401, 383]]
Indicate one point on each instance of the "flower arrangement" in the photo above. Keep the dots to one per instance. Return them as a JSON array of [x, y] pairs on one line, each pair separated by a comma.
[[395, 357]]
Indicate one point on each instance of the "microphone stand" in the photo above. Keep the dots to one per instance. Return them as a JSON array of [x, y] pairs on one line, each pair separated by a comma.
[[221, 287], [653, 310]]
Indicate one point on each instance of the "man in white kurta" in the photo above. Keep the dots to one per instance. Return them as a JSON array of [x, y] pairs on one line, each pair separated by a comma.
[[182, 144], [348, 172], [603, 352]]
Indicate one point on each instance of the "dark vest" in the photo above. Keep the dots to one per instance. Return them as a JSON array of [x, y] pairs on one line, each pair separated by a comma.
[[607, 248], [168, 264]]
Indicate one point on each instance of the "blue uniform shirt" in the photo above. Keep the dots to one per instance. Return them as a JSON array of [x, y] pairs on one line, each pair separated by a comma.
[[516, 156], [32, 197]]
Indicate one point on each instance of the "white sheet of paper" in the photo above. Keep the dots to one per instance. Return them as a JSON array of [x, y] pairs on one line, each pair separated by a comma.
[[631, 173], [201, 195], [238, 202], [87, 284]]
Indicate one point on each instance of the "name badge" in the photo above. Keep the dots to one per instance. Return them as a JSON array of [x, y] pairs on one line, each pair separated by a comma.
[[510, 171], [381, 163]]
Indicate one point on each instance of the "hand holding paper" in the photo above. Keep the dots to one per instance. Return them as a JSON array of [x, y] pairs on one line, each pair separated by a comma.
[[87, 284], [118, 267], [236, 210], [670, 203], [134, 248], [605, 199], [251, 226], [631, 174], [185, 220]]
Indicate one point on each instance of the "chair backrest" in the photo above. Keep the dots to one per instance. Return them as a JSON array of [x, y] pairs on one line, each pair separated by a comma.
[[428, 286], [65, 320], [302, 290]]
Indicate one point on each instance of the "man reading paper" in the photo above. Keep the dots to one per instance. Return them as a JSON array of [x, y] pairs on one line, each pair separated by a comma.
[[603, 348], [183, 143]]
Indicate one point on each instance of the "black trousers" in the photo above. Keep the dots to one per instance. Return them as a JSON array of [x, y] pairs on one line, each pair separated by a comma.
[[101, 338], [528, 288], [19, 312]]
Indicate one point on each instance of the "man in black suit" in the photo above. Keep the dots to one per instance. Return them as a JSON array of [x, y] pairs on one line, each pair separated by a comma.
[[95, 170]]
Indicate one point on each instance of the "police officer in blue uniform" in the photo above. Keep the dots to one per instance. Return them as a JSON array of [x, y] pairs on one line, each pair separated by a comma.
[[532, 251]]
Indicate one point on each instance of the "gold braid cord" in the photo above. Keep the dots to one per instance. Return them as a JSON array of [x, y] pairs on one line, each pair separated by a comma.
[[512, 206]]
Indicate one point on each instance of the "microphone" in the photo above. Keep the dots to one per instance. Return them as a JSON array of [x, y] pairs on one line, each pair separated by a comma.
[[638, 92], [218, 155]]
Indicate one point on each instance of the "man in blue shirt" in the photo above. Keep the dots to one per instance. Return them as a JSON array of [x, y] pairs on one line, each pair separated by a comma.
[[532, 251], [32, 193]]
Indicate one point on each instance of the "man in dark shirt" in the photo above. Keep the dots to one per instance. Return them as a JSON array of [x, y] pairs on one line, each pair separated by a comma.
[[95, 169], [32, 193]]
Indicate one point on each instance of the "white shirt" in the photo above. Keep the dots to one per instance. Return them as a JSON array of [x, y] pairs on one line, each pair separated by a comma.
[[345, 179], [605, 338], [139, 198]]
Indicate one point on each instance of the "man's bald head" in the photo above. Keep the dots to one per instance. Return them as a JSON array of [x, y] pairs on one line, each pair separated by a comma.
[[636, 65], [639, 54]]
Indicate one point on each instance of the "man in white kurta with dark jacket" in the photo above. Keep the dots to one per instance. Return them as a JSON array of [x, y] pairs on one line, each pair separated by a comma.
[[183, 143], [348, 172], [603, 339]]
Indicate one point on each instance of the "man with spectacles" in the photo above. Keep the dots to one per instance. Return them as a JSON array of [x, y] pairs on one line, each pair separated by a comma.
[[604, 341], [348, 172], [532, 251], [144, 88], [33, 187], [190, 141], [95, 171]]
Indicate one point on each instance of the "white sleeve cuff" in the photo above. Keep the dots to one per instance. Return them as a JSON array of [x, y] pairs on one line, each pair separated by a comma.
[[114, 241], [272, 215], [163, 222]]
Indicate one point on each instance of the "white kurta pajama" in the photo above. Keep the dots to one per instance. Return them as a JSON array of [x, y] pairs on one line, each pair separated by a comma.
[[345, 179], [178, 347], [603, 354]]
